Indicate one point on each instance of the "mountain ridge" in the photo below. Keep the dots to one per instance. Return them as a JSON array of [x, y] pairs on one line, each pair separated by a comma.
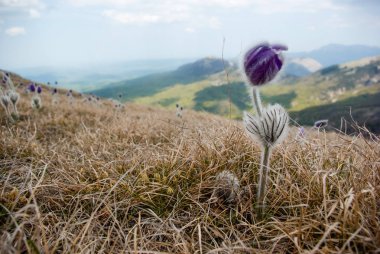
[[326, 86]]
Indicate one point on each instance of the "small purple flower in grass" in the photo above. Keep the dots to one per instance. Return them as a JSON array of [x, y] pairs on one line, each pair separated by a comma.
[[32, 87], [263, 62], [321, 123], [301, 131], [39, 89]]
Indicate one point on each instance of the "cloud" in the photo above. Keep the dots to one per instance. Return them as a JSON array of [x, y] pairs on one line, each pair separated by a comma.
[[81, 3], [189, 30], [15, 31], [196, 11], [33, 13], [214, 23], [169, 15], [11, 8], [130, 18], [19, 3], [265, 6], [294, 6]]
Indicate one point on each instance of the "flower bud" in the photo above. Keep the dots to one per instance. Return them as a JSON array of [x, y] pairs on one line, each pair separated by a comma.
[[262, 63]]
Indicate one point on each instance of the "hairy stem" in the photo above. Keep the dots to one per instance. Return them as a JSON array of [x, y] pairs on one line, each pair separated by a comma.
[[257, 101], [264, 169]]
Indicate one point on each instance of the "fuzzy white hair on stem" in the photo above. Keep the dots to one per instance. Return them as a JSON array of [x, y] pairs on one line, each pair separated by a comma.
[[271, 128], [36, 102], [14, 98], [5, 102]]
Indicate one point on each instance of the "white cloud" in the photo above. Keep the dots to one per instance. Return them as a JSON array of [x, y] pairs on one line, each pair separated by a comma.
[[81, 3], [168, 11], [6, 4], [189, 30], [214, 23], [33, 13], [265, 6], [10, 8], [15, 31], [165, 16], [130, 18], [220, 3], [293, 6]]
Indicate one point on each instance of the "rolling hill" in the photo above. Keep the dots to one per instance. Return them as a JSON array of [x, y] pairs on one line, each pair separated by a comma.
[[88, 178], [338, 86], [151, 84]]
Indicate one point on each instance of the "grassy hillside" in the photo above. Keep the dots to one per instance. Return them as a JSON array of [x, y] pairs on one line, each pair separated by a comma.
[[364, 109], [329, 87], [85, 178], [154, 83]]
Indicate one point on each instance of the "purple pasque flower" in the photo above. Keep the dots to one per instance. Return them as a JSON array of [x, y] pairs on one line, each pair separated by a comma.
[[321, 123], [263, 62], [301, 131], [39, 89], [32, 87]]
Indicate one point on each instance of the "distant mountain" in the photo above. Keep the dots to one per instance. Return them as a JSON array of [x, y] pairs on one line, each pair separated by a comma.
[[154, 83], [96, 76], [202, 86], [337, 54], [300, 67]]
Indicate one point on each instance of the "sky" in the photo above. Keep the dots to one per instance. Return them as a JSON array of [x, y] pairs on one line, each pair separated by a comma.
[[83, 32]]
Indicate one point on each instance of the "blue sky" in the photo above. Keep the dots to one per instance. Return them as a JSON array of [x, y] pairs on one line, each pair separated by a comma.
[[82, 32]]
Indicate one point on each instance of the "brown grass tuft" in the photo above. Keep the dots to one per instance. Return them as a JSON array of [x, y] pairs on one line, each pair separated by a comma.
[[85, 179]]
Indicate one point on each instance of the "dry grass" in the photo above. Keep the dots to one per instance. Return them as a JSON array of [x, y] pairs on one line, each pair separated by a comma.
[[86, 180]]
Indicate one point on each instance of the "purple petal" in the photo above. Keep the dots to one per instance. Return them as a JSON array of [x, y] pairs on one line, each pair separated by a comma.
[[263, 62], [279, 47], [32, 87]]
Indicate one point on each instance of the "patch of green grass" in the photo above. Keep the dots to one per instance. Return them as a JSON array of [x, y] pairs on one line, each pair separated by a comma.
[[236, 92], [364, 109]]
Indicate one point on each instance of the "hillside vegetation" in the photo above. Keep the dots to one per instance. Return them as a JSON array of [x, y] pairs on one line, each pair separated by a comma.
[[153, 83], [336, 87], [85, 178]]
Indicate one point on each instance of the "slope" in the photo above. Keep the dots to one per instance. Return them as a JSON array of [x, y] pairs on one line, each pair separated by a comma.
[[151, 84], [82, 178]]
